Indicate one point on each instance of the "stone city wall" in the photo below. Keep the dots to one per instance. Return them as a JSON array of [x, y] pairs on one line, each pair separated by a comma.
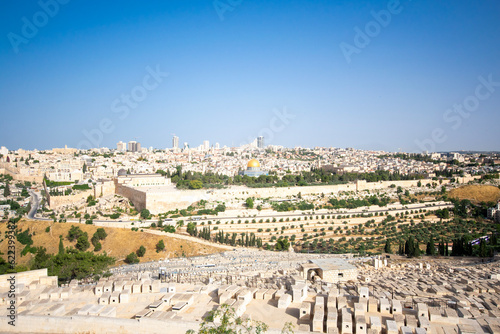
[[104, 188], [136, 196], [56, 201], [158, 201], [5, 168]]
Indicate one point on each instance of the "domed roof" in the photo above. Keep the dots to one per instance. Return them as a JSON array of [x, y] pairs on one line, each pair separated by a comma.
[[253, 163]]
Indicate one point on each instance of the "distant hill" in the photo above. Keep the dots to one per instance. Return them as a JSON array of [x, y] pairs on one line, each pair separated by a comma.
[[119, 242], [476, 193]]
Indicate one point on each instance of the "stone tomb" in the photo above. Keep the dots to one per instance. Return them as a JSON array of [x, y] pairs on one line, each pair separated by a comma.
[[375, 324], [284, 301], [305, 311]]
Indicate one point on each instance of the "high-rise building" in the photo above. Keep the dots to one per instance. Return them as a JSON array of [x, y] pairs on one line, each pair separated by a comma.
[[121, 146], [206, 145], [175, 142], [133, 146], [260, 142]]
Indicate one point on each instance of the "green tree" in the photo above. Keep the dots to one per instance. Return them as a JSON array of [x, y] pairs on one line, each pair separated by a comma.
[[82, 243], [145, 214], [101, 233], [97, 247], [141, 251], [387, 247], [5, 267], [249, 203], [412, 248], [131, 258], [161, 172], [282, 244], [431, 249], [221, 207], [74, 233], [443, 213], [195, 184], [483, 250], [73, 264], [6, 190], [191, 229], [229, 323], [61, 246], [361, 249], [169, 229], [160, 246]]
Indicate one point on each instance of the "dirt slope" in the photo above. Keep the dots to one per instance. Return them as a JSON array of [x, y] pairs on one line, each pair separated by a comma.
[[476, 193], [118, 244]]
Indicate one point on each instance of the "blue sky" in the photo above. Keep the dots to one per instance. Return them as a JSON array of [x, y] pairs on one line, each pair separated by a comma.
[[233, 66]]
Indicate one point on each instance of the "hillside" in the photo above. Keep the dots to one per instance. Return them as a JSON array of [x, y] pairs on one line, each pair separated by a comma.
[[476, 193], [118, 243]]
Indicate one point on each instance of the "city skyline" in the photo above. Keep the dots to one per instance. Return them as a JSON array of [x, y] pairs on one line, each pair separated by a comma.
[[382, 75]]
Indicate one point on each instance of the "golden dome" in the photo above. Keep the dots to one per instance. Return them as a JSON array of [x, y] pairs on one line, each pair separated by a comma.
[[253, 163]]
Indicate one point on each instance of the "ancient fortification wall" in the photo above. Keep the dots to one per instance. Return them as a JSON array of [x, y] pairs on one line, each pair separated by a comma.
[[6, 168], [136, 196], [157, 201], [56, 201]]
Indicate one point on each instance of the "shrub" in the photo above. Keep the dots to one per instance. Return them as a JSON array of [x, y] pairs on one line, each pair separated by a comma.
[[141, 251], [82, 243], [169, 229], [160, 246], [97, 247], [145, 214], [101, 233], [132, 258], [74, 233]]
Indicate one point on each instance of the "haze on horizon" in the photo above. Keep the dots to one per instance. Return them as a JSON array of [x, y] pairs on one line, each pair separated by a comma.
[[382, 75]]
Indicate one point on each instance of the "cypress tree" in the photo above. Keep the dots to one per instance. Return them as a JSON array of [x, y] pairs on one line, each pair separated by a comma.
[[483, 252], [6, 190], [431, 250], [387, 247], [416, 249], [61, 246]]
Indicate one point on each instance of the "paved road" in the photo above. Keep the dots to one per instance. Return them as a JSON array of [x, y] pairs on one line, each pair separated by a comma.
[[35, 202]]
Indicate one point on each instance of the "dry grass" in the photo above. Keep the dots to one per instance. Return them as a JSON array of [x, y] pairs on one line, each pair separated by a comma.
[[476, 193], [119, 243]]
